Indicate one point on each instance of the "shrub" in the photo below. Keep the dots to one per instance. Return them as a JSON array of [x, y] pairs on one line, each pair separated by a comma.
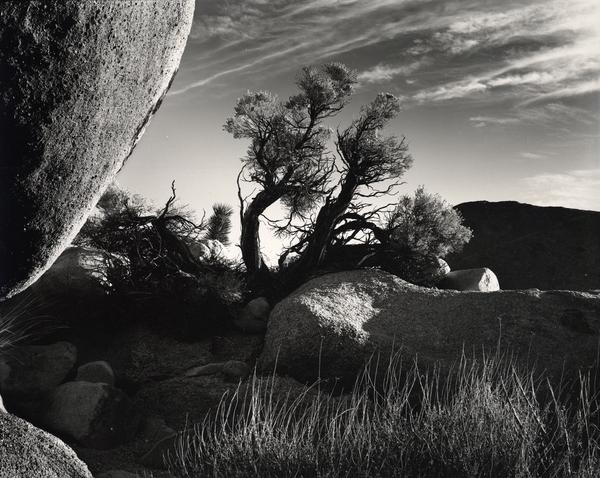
[[153, 267], [423, 229], [483, 419], [427, 226]]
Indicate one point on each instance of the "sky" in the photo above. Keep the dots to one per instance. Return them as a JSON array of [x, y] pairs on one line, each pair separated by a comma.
[[500, 98]]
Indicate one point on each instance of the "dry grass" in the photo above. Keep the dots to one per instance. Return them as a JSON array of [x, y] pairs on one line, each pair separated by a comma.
[[20, 321], [484, 418]]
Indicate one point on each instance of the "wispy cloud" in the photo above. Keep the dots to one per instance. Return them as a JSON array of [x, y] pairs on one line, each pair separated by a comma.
[[544, 51], [482, 121], [528, 50], [557, 114], [245, 66], [578, 189], [533, 156], [384, 73]]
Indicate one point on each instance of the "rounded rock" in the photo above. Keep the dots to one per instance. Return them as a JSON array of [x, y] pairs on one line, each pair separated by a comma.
[[471, 280], [258, 308], [96, 372], [95, 415], [332, 325]]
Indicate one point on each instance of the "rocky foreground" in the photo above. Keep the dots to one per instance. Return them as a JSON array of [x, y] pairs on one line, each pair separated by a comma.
[[122, 398]]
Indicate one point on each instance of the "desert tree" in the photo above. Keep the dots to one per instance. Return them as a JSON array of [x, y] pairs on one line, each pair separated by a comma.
[[332, 185], [370, 166], [287, 160]]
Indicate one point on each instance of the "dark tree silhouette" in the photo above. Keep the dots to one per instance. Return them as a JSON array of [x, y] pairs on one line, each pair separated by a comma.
[[371, 167], [329, 195], [287, 159]]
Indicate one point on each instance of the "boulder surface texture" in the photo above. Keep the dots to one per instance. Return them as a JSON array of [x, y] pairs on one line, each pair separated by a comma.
[[79, 80], [339, 320], [27, 452]]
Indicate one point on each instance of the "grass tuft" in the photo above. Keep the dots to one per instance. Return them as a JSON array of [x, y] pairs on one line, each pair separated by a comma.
[[20, 322], [483, 418]]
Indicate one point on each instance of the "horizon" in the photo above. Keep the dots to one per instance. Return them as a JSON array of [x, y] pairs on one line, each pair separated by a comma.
[[499, 102]]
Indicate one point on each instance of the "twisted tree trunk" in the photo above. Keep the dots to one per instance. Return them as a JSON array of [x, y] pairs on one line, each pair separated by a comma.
[[329, 215], [258, 272]]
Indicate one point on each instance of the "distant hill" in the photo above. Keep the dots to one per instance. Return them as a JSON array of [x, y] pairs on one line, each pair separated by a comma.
[[532, 247]]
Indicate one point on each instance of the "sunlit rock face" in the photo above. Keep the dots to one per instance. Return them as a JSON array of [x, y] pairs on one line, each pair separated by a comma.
[[79, 81]]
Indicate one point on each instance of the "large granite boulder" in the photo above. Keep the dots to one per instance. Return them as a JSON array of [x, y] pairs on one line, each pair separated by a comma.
[[79, 81], [27, 452], [338, 320]]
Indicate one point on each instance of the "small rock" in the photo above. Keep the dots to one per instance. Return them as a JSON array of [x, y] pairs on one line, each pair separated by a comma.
[[95, 415], [96, 372], [36, 369], [2, 409], [250, 326], [236, 370], [434, 272], [209, 369], [258, 308], [440, 268], [160, 439], [474, 280]]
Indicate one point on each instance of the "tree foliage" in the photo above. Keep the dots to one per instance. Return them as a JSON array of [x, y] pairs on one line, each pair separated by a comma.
[[287, 159], [426, 225], [218, 226]]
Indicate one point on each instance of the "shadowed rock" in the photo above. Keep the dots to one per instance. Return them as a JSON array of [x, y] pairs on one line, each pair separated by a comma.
[[337, 321], [79, 81], [95, 415], [32, 370]]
